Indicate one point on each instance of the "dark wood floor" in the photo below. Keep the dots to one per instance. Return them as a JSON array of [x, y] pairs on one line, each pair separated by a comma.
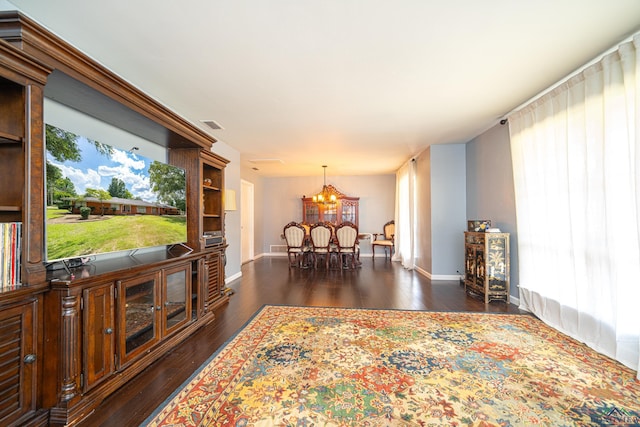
[[377, 284]]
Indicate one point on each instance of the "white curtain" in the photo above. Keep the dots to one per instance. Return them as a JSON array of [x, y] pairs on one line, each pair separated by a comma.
[[405, 215], [576, 162]]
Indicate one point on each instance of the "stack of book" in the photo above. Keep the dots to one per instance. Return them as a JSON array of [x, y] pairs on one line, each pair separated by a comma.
[[11, 241]]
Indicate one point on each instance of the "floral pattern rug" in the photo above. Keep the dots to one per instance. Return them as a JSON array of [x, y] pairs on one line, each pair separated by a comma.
[[307, 366]]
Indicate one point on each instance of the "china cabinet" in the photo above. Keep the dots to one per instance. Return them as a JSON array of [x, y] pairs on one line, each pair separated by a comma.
[[344, 209], [487, 265]]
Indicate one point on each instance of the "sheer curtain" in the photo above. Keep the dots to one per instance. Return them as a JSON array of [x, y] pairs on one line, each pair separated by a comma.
[[576, 161], [405, 215]]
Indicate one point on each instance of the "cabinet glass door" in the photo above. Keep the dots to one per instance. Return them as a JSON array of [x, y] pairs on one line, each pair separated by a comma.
[[349, 211], [311, 214], [330, 214], [177, 297], [138, 319]]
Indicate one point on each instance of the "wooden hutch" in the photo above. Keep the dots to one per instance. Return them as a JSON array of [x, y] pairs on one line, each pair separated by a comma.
[[345, 209], [69, 339]]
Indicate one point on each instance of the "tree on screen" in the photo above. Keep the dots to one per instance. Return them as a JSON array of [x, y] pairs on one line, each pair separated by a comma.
[[62, 146], [99, 194], [118, 188], [168, 183]]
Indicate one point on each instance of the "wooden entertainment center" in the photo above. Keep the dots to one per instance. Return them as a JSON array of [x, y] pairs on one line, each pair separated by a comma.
[[69, 338]]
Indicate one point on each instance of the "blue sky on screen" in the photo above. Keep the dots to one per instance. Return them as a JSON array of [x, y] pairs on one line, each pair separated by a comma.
[[96, 170]]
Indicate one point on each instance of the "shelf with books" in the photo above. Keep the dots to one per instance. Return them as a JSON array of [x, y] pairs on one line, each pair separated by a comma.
[[11, 243]]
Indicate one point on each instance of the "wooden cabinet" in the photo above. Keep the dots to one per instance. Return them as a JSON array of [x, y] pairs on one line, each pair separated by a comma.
[[487, 265], [21, 195], [212, 186], [205, 213], [82, 317], [19, 361], [98, 340], [176, 298], [345, 209], [213, 265], [150, 307], [106, 325], [138, 315], [22, 81]]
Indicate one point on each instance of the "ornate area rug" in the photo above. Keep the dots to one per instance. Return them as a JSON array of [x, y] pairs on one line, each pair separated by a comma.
[[304, 366]]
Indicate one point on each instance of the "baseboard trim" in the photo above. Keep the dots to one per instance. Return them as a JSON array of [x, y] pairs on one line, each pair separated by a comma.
[[233, 277], [449, 277]]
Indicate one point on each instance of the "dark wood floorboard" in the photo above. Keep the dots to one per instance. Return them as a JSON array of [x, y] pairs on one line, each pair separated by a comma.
[[377, 284]]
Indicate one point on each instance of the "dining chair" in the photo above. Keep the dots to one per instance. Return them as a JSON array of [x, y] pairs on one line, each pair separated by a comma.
[[347, 241], [321, 244], [295, 236], [385, 239]]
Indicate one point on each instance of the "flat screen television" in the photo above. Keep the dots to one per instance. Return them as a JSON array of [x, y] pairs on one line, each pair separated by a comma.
[[103, 198]]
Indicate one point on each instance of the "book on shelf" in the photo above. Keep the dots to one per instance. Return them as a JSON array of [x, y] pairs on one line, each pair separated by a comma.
[[11, 241]]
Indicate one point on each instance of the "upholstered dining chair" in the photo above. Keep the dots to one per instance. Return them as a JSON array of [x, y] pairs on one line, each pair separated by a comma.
[[347, 241], [295, 236], [385, 240], [321, 243]]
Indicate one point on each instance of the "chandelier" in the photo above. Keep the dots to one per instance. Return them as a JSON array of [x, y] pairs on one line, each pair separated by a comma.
[[326, 196]]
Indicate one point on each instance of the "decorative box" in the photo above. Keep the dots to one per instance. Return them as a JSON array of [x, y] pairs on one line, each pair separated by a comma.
[[480, 225]]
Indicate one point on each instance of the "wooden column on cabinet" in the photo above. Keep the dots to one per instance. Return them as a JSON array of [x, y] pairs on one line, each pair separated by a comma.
[[61, 335], [70, 357], [33, 264]]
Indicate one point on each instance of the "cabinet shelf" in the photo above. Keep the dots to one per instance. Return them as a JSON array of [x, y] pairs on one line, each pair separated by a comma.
[[205, 182], [4, 208], [7, 138]]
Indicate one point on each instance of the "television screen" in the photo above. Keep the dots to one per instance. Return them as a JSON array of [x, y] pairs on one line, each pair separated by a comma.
[[103, 199]]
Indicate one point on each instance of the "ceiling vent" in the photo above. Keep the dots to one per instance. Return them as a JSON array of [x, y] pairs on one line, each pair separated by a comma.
[[212, 124], [266, 161]]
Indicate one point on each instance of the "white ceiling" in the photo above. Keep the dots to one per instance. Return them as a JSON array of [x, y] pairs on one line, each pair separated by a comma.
[[359, 85]]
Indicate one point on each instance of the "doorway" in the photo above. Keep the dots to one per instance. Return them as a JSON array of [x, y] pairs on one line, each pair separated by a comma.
[[246, 219]]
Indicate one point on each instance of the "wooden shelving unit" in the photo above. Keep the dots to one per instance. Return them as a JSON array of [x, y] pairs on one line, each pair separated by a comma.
[[82, 315]]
